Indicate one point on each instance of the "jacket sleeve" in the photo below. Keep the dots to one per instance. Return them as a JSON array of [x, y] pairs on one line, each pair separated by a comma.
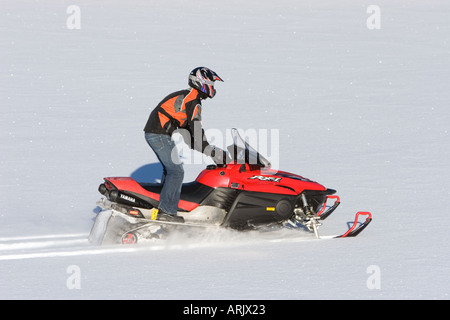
[[196, 138]]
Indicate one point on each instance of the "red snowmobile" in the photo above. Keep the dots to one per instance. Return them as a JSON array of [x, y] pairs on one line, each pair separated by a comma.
[[244, 194]]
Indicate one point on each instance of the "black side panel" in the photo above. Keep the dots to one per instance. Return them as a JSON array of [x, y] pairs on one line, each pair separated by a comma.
[[195, 192], [221, 197], [151, 203], [252, 209]]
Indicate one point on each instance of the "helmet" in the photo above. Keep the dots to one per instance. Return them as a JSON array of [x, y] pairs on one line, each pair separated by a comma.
[[202, 79]]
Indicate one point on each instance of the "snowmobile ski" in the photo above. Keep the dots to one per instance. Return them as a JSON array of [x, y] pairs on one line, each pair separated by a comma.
[[355, 229]]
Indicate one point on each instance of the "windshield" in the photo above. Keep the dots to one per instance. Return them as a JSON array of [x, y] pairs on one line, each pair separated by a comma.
[[241, 152]]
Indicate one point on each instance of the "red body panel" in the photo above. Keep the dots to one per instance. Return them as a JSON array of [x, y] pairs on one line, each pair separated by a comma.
[[240, 177]]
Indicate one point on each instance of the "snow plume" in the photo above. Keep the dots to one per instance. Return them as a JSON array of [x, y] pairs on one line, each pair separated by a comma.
[[221, 237]]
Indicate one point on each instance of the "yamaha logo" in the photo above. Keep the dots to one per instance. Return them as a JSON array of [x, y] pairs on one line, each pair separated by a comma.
[[128, 198]]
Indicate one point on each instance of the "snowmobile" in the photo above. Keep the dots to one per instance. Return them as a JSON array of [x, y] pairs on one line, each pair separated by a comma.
[[243, 194]]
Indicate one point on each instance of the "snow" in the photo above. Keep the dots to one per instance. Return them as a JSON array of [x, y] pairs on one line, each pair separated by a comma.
[[362, 111]]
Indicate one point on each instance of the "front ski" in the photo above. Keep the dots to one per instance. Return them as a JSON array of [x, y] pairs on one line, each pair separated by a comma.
[[355, 229], [308, 218]]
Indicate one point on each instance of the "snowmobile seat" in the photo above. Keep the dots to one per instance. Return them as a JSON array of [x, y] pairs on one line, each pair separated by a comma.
[[193, 191]]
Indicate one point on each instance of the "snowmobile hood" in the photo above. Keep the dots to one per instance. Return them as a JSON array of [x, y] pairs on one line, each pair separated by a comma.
[[251, 178]]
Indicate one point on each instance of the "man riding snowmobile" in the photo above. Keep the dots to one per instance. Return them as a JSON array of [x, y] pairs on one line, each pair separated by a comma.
[[180, 110]]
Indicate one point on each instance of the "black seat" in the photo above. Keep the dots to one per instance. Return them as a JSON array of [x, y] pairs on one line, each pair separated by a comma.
[[192, 191]]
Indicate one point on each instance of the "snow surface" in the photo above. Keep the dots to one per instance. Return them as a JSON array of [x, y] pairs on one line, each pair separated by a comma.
[[362, 111]]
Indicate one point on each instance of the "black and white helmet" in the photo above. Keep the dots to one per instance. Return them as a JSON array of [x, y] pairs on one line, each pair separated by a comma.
[[202, 79]]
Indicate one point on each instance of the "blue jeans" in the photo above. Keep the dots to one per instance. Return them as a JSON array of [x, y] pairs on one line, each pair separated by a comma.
[[173, 172]]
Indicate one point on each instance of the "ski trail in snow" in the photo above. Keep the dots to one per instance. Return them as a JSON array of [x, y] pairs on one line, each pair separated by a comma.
[[47, 236], [41, 242], [81, 248], [69, 245], [67, 253], [17, 247]]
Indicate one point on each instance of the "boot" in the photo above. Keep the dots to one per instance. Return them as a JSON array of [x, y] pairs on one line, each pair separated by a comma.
[[163, 216]]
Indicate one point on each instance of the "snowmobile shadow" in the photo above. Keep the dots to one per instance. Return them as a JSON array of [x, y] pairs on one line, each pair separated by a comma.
[[151, 172], [351, 223], [96, 211]]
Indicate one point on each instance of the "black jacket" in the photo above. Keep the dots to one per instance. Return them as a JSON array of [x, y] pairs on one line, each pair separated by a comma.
[[180, 110]]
